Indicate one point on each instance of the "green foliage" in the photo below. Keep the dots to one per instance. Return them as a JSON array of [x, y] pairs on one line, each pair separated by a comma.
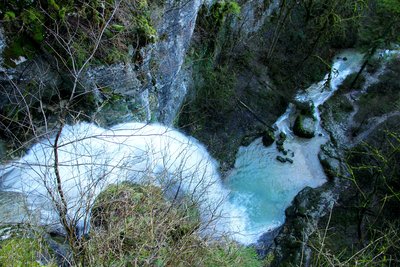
[[364, 229], [23, 247], [39, 21], [9, 16], [211, 21], [19, 47], [381, 25], [232, 256], [54, 5], [145, 30], [214, 97], [33, 20], [19, 251]]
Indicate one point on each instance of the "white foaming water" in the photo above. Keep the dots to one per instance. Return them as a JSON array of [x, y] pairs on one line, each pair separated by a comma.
[[90, 158], [264, 187], [251, 201]]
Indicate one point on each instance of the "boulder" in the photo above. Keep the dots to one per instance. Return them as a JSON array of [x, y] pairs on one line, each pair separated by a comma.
[[281, 159], [268, 138], [304, 126]]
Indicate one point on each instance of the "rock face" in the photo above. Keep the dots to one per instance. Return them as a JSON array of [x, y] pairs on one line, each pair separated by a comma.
[[176, 27], [301, 220], [254, 14], [304, 126], [308, 207], [158, 83]]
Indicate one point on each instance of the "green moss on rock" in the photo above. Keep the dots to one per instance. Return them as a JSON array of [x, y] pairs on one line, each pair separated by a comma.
[[304, 126]]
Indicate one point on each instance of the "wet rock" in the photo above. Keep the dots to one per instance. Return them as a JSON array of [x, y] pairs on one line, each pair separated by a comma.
[[281, 159], [304, 126], [330, 161], [301, 220], [13, 209], [268, 138], [280, 147]]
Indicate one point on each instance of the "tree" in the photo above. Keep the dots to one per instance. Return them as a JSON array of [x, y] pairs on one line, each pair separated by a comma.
[[378, 29]]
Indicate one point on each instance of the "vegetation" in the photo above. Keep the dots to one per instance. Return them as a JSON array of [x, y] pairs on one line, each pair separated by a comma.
[[135, 225], [382, 97], [24, 247], [363, 229], [70, 29], [350, 84]]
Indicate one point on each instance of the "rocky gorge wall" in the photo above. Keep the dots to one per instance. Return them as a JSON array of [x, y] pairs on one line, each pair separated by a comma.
[[149, 89]]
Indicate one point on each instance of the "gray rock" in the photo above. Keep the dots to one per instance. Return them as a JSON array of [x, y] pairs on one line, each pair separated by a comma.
[[13, 209], [304, 126]]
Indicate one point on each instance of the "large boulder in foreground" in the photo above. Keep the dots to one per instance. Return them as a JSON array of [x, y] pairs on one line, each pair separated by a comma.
[[304, 126]]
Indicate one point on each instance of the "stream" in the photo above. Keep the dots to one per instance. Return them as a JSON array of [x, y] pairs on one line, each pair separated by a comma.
[[262, 186]]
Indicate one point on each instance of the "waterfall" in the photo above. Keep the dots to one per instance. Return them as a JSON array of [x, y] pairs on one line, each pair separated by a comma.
[[90, 158]]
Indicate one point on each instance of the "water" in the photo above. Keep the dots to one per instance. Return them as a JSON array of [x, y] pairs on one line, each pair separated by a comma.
[[264, 187], [250, 202], [90, 158]]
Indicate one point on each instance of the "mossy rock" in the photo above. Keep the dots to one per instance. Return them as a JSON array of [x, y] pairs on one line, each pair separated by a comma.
[[135, 223], [21, 246], [305, 107], [304, 126], [268, 138]]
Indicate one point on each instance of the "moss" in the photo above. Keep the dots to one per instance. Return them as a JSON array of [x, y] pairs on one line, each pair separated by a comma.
[[24, 247], [115, 55], [299, 128], [147, 33], [19, 46], [34, 21], [54, 5], [9, 16]]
